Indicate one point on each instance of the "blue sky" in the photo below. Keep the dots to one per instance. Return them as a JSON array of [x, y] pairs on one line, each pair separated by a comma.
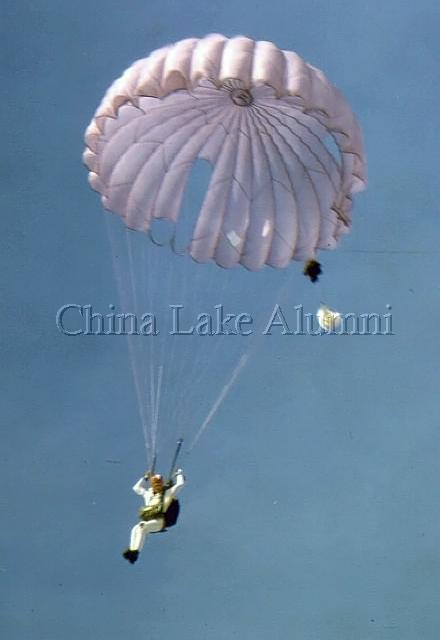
[[311, 506]]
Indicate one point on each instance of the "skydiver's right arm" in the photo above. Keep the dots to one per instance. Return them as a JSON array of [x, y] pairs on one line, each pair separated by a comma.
[[141, 486]]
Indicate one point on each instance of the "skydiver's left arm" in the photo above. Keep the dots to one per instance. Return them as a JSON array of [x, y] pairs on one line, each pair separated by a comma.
[[177, 484]]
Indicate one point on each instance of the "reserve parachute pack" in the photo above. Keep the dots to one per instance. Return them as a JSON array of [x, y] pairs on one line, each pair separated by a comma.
[[155, 511]]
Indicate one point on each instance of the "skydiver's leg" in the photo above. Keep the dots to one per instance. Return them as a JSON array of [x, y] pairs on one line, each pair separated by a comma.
[[141, 530], [137, 536]]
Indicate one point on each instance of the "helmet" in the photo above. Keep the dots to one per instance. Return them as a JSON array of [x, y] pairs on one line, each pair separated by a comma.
[[157, 483]]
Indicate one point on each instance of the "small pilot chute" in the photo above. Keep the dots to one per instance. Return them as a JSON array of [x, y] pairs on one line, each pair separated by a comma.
[[328, 319]]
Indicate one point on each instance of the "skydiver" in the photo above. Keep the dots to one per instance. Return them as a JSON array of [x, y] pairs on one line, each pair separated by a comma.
[[312, 269], [160, 511]]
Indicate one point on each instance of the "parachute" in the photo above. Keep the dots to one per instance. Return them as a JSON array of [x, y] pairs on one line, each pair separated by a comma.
[[282, 156], [284, 146], [328, 319]]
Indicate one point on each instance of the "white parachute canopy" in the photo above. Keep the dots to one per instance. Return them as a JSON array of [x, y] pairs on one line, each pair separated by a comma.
[[282, 156], [284, 146]]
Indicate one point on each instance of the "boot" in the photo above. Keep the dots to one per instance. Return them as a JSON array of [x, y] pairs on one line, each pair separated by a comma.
[[131, 555]]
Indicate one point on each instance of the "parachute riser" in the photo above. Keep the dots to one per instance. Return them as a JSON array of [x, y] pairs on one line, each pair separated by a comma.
[[152, 468], [174, 463]]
